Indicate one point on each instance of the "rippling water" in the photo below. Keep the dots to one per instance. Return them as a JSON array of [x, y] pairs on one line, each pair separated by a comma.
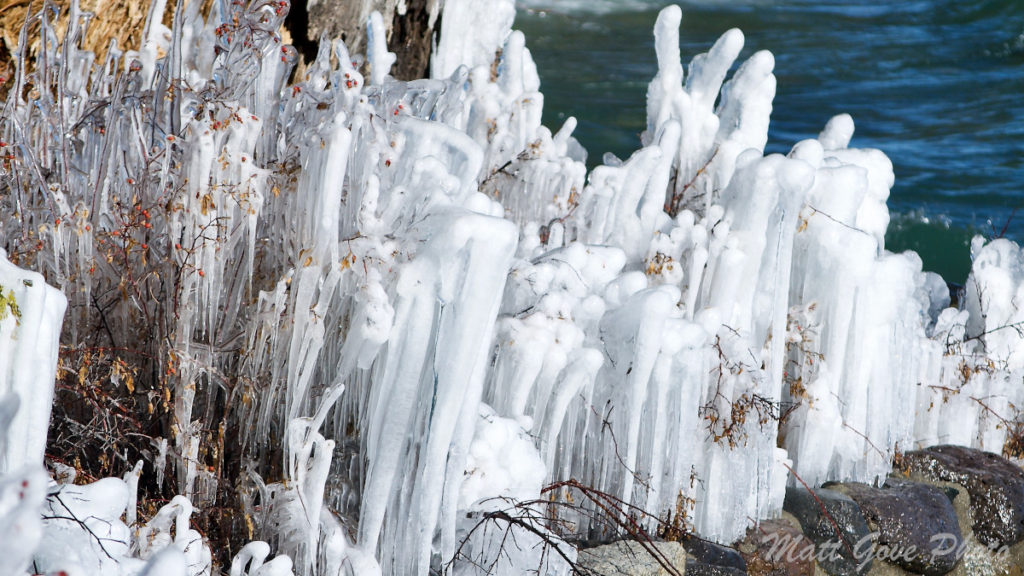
[[937, 85]]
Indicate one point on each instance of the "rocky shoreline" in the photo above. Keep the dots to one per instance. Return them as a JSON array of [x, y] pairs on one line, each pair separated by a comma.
[[943, 510]]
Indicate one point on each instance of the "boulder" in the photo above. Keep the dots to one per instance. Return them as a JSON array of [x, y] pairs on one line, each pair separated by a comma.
[[836, 526], [916, 524], [705, 558], [631, 558], [994, 484], [777, 548], [697, 568], [410, 28]]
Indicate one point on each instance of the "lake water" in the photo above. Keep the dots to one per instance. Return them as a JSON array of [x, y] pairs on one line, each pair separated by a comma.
[[937, 85]]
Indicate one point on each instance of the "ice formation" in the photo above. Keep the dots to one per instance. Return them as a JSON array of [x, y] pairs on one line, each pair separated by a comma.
[[30, 321], [405, 308]]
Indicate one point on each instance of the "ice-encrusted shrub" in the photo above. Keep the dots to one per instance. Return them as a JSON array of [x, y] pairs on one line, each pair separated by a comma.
[[336, 313]]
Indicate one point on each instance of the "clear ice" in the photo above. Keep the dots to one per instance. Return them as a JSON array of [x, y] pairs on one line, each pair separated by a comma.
[[418, 308]]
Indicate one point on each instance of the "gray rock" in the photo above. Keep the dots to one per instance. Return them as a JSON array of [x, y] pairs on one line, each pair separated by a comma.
[[409, 29], [410, 38], [630, 558], [697, 568], [976, 559], [995, 486], [836, 544], [345, 19], [703, 551], [914, 523]]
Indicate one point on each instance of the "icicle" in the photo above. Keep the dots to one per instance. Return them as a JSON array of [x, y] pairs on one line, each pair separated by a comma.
[[30, 320], [343, 274], [377, 52]]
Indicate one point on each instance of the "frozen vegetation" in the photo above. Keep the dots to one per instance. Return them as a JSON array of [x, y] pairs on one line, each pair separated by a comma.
[[386, 324]]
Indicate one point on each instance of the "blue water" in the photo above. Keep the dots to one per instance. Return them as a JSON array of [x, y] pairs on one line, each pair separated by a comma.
[[938, 85]]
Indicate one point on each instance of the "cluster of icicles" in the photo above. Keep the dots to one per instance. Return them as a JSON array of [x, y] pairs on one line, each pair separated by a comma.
[[436, 311]]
